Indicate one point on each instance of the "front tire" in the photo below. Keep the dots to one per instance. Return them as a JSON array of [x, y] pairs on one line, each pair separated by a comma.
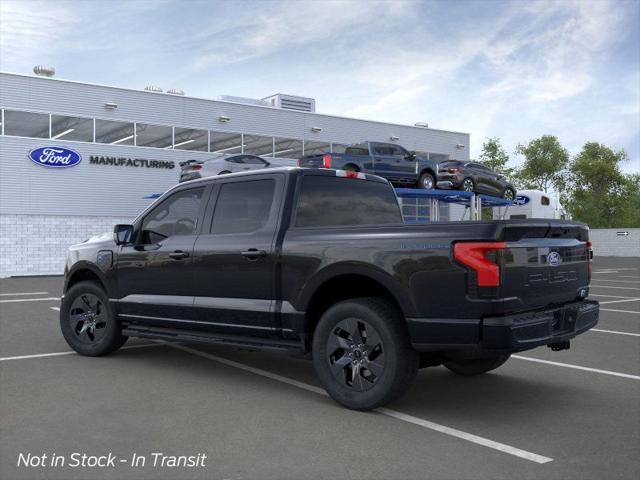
[[87, 322], [362, 354], [476, 366], [427, 181]]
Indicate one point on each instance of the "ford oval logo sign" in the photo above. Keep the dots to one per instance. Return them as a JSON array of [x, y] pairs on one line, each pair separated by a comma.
[[55, 157], [521, 200], [554, 259]]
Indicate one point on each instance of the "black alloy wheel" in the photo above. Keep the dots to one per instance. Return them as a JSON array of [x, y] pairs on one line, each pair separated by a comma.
[[362, 353], [87, 318], [355, 354], [87, 322]]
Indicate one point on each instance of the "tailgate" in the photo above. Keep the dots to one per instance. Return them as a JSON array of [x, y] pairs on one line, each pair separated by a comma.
[[319, 161], [543, 264]]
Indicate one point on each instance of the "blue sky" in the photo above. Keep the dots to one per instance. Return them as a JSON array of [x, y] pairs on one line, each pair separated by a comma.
[[511, 69]]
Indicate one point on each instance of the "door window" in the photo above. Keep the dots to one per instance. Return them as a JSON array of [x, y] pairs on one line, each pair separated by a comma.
[[243, 207], [397, 151], [177, 215]]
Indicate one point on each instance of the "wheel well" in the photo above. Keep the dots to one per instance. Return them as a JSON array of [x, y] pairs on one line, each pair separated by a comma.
[[428, 170], [84, 275], [341, 288]]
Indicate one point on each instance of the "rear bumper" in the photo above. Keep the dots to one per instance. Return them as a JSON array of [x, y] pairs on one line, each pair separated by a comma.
[[513, 333]]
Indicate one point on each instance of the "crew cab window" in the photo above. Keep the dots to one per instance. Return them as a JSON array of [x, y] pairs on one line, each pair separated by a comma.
[[359, 149], [177, 215], [397, 151], [334, 201], [243, 207], [383, 150]]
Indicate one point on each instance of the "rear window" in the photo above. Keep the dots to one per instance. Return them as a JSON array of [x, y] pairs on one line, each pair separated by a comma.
[[334, 201]]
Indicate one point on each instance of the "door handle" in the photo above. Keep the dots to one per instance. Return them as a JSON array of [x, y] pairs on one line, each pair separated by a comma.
[[253, 254], [178, 255]]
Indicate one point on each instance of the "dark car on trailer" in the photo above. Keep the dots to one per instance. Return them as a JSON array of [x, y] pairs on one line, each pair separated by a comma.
[[388, 160], [318, 260], [475, 177]]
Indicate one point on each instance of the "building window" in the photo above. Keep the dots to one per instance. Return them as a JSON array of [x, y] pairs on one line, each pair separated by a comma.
[[226, 143], [258, 145], [115, 133], [157, 136], [287, 148], [71, 128], [191, 139], [316, 148], [26, 124]]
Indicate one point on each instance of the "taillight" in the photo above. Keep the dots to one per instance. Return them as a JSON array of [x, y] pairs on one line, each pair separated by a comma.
[[474, 256], [298, 162], [453, 170], [590, 257], [326, 161]]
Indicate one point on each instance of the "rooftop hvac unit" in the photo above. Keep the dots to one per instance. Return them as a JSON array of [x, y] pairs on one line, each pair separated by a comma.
[[291, 102], [153, 88], [244, 100], [175, 91]]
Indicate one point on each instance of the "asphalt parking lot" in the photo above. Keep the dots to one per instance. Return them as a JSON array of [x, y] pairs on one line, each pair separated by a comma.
[[565, 415]]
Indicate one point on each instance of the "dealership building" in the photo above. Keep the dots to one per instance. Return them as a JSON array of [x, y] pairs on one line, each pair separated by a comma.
[[126, 148]]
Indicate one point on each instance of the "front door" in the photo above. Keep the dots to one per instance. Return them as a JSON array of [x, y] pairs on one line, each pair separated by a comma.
[[392, 162], [234, 257], [155, 275]]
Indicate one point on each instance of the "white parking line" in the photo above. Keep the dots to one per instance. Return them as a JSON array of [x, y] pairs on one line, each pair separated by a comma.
[[22, 293], [577, 367], [613, 286], [71, 352], [615, 332], [609, 296], [57, 309], [629, 276], [614, 310], [618, 281], [620, 301], [13, 300], [485, 442]]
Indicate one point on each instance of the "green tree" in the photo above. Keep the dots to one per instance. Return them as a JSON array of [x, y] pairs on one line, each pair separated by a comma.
[[544, 165], [599, 193], [494, 156]]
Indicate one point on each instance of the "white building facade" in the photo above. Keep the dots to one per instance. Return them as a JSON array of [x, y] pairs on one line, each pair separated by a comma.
[[129, 144]]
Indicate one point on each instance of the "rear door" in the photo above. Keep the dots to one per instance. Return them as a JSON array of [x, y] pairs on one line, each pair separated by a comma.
[[235, 256], [384, 162]]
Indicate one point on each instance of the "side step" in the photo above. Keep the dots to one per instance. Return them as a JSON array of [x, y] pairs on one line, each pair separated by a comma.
[[196, 336]]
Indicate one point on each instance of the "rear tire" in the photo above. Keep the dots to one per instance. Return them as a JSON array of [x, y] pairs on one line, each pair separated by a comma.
[[476, 366], [509, 194], [87, 322], [468, 185], [362, 354], [427, 181]]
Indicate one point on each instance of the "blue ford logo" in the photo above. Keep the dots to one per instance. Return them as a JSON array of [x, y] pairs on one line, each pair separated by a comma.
[[521, 200], [554, 259], [55, 157]]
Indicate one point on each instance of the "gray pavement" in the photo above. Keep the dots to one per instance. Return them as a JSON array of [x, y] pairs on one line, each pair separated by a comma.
[[259, 424]]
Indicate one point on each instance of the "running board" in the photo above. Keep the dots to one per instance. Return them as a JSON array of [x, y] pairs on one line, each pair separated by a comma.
[[176, 335]]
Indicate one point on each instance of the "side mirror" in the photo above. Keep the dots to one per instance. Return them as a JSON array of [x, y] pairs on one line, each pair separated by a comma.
[[122, 234], [411, 156]]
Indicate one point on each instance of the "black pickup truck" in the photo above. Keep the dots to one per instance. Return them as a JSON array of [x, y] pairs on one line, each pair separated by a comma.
[[318, 261], [387, 160]]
